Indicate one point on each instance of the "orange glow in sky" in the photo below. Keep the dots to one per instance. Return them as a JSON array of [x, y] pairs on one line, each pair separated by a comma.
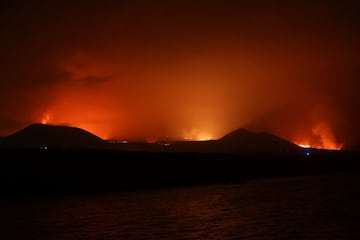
[[321, 137], [178, 70]]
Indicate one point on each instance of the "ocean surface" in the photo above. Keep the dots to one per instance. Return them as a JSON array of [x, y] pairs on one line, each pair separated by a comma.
[[308, 207]]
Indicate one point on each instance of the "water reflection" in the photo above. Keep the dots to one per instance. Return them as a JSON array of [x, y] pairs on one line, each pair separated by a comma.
[[319, 207]]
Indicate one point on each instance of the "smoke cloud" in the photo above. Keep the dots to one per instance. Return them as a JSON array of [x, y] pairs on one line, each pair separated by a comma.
[[184, 69]]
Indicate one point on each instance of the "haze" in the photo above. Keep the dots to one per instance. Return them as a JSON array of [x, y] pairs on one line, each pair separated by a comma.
[[150, 70]]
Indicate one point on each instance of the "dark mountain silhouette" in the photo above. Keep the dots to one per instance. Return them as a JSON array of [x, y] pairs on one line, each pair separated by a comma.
[[241, 141], [50, 136], [263, 142], [100, 166]]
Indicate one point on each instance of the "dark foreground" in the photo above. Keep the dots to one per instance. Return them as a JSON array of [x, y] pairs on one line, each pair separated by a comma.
[[321, 207], [28, 172]]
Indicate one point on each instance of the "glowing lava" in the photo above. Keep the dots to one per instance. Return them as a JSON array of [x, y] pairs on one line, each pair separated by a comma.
[[303, 145], [45, 119], [320, 144], [196, 134], [326, 135], [204, 137], [328, 146]]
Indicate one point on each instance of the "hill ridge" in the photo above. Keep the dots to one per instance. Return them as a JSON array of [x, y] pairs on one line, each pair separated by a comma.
[[39, 135]]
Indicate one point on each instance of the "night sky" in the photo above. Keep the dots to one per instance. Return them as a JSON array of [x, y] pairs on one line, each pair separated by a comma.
[[149, 70]]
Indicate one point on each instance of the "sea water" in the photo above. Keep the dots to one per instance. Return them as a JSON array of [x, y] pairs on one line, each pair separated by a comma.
[[308, 207]]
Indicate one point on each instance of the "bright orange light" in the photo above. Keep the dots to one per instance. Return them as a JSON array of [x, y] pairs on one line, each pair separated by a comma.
[[45, 119], [197, 135], [333, 146], [326, 135], [204, 137], [321, 136], [303, 145], [329, 145]]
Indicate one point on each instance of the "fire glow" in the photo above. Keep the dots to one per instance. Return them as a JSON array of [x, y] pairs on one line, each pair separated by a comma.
[[187, 71], [322, 138], [328, 146], [45, 119], [332, 146]]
